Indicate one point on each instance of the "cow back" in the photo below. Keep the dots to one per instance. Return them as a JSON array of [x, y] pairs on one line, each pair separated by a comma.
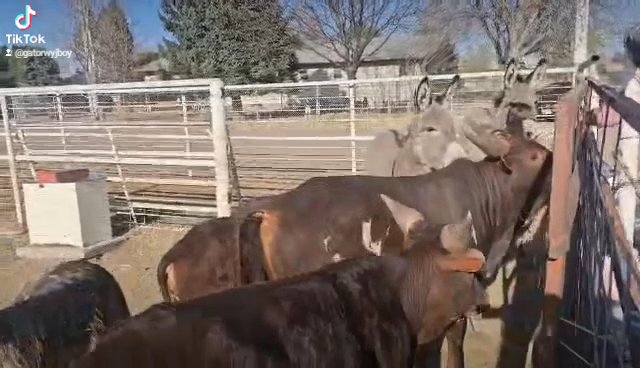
[[346, 316], [60, 316]]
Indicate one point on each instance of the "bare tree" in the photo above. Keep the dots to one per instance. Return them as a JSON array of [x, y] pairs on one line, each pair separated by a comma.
[[514, 28], [519, 28], [345, 29], [83, 44]]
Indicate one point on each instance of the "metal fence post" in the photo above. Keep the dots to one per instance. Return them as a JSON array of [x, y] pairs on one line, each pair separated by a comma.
[[220, 149], [352, 125], [15, 184], [185, 120], [58, 101], [317, 100]]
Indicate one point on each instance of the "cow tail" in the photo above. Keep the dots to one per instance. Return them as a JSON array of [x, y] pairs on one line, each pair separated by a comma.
[[162, 278], [251, 251]]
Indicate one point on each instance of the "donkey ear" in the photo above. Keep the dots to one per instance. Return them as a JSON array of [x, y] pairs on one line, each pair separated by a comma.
[[537, 75], [447, 91], [422, 95], [587, 63], [406, 217], [510, 73]]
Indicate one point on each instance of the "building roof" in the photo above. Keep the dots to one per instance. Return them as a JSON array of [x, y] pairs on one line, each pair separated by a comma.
[[397, 47], [154, 66]]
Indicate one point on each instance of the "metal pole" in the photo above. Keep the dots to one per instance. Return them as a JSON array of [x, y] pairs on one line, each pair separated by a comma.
[[352, 126], [15, 185], [580, 50], [220, 149], [185, 120]]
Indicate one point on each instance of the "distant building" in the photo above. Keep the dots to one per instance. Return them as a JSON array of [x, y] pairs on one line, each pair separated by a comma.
[[158, 69], [401, 55]]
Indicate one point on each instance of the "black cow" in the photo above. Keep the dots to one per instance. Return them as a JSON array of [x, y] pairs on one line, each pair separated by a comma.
[[60, 317]]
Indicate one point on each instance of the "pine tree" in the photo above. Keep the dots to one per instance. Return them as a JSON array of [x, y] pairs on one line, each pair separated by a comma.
[[239, 41], [114, 45]]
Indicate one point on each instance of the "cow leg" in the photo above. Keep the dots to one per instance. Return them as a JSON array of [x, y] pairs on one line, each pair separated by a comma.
[[455, 340]]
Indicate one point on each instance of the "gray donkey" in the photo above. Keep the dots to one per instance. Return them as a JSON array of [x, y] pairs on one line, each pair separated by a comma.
[[428, 143]]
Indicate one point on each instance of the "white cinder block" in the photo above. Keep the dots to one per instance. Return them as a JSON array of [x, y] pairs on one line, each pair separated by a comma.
[[68, 213]]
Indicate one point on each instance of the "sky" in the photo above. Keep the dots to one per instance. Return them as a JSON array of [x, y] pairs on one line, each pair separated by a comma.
[[54, 22]]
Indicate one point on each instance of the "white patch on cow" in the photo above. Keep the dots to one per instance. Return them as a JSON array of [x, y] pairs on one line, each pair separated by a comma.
[[376, 247], [337, 257], [371, 246], [531, 226], [366, 234], [474, 237], [326, 241]]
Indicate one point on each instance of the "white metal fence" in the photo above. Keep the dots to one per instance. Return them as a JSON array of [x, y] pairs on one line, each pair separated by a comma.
[[154, 140]]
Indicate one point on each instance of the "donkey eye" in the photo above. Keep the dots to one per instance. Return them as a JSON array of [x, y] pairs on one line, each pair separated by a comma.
[[431, 129]]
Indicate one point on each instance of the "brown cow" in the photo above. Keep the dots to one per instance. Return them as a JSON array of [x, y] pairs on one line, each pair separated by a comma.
[[357, 313], [494, 191], [343, 216], [210, 257], [60, 317]]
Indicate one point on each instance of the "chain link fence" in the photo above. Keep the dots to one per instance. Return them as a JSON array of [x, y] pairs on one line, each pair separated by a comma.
[[599, 324]]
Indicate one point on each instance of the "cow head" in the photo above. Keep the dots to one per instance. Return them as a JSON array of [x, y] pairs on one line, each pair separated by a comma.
[[442, 285], [515, 153], [431, 133]]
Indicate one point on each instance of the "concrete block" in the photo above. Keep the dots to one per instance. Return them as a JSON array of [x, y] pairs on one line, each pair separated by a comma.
[[73, 214]]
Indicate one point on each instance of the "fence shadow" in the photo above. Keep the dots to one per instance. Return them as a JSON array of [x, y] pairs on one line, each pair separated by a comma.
[[522, 311]]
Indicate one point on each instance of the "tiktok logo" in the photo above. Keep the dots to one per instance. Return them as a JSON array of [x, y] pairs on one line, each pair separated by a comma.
[[23, 21]]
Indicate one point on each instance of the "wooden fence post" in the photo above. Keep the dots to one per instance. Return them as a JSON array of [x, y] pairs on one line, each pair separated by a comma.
[[220, 148]]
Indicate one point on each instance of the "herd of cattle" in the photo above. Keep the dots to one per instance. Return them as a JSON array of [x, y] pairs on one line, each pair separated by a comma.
[[345, 271]]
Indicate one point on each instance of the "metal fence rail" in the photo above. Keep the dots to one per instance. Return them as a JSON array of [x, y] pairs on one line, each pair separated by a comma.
[[154, 140], [599, 324], [155, 148]]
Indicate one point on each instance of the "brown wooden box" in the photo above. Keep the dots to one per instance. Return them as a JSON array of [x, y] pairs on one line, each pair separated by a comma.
[[61, 176]]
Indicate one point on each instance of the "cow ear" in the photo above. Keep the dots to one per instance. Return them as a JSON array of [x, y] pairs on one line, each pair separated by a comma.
[[456, 237], [406, 217], [470, 261], [510, 74], [495, 144], [536, 76]]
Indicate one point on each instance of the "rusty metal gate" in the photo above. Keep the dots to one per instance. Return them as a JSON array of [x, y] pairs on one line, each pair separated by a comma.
[[592, 290]]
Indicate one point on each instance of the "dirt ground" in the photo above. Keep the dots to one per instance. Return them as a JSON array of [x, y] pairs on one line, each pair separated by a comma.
[[133, 263]]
